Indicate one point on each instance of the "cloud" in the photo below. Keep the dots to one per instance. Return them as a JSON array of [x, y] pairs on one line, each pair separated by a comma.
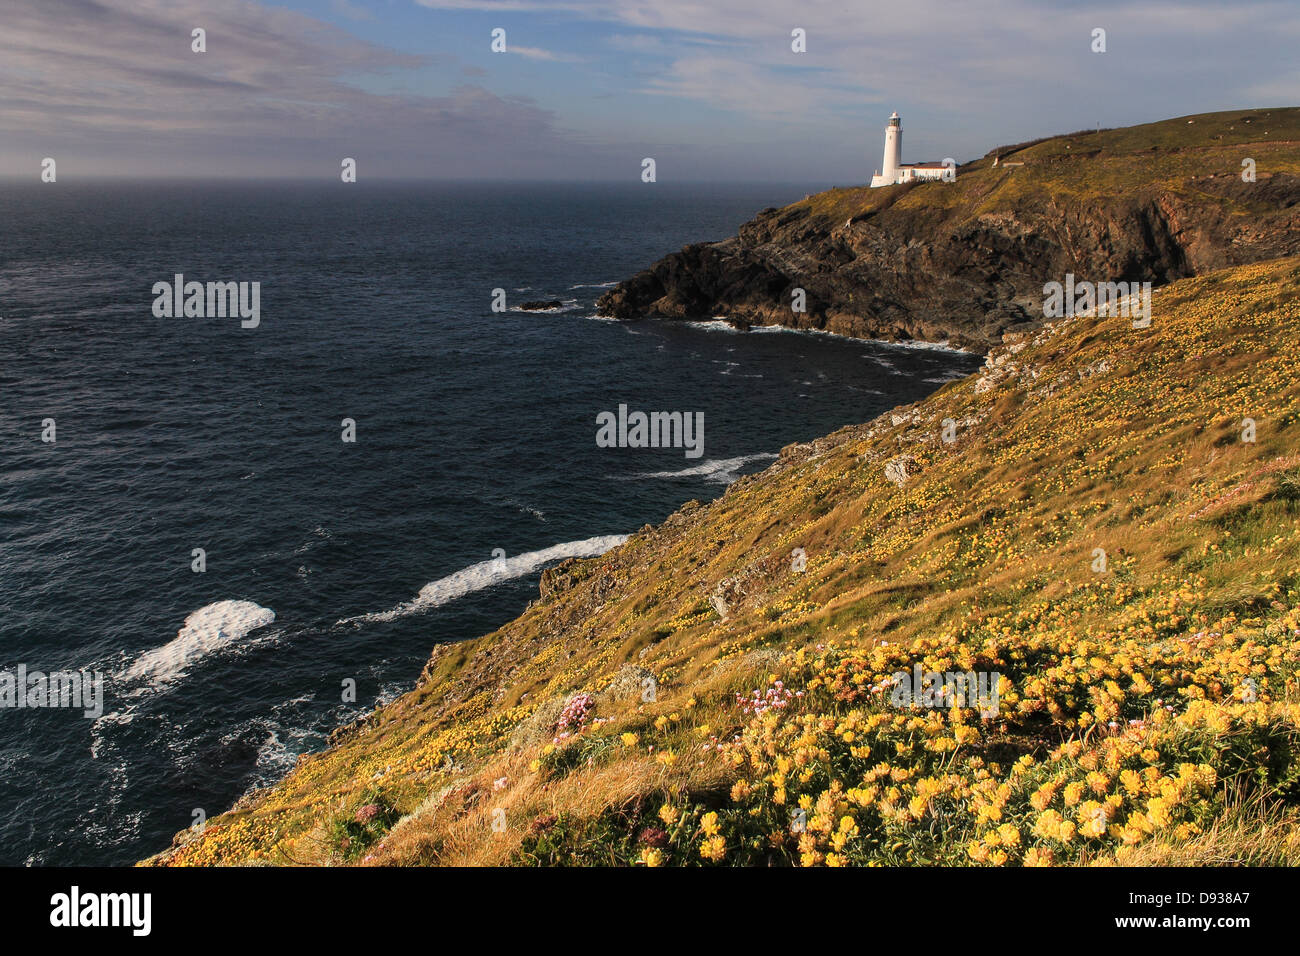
[[115, 88], [730, 84], [536, 53], [641, 43], [654, 44], [954, 60]]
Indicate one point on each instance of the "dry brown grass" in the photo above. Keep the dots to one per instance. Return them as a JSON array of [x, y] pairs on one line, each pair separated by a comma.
[[1250, 832], [458, 830], [1007, 525]]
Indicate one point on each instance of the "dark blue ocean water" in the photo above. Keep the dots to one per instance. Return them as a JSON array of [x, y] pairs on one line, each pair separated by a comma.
[[475, 431]]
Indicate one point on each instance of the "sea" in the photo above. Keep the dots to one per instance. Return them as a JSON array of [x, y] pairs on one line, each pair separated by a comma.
[[183, 515]]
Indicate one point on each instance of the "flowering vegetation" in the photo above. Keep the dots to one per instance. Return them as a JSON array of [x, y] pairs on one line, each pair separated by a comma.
[[1107, 543], [776, 697], [354, 833], [575, 715]]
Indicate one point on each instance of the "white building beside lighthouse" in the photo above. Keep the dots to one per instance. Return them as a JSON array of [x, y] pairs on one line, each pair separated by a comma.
[[893, 170]]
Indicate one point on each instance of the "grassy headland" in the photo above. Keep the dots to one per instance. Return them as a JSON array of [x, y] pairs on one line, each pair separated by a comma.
[[966, 261], [1148, 713]]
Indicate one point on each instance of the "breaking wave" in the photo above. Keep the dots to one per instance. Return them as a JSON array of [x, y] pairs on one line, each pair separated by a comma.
[[209, 630], [721, 470], [485, 574]]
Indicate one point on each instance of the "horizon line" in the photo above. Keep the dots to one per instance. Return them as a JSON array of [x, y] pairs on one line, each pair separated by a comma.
[[393, 180]]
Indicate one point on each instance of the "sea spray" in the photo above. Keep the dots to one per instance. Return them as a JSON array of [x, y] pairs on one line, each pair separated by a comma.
[[210, 629], [487, 573]]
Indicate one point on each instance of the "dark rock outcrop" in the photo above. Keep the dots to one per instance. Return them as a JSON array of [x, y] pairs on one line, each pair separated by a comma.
[[966, 262]]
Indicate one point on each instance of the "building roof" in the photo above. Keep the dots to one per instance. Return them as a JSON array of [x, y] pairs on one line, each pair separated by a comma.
[[923, 166]]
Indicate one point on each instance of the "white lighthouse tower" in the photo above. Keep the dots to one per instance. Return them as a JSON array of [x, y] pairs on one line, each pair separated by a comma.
[[894, 169], [893, 148], [893, 161]]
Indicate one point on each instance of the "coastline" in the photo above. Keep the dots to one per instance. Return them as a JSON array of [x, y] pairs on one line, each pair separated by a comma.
[[455, 584], [707, 603]]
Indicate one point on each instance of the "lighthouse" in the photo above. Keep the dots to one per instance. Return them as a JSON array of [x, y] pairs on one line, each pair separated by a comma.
[[893, 169], [893, 148]]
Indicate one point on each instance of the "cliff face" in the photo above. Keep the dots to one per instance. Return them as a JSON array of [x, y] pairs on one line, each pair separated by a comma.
[[1104, 523], [1083, 519], [966, 261]]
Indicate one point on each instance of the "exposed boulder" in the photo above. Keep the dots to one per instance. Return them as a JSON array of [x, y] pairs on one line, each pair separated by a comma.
[[538, 726], [899, 469], [629, 683]]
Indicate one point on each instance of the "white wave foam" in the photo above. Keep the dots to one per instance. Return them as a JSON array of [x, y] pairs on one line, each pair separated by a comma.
[[721, 470], [274, 757], [944, 346], [914, 344], [208, 630], [485, 574], [713, 325]]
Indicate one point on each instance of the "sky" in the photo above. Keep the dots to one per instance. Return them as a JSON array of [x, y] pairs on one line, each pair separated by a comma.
[[712, 90]]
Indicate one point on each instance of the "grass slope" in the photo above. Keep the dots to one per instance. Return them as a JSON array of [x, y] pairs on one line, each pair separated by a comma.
[[1149, 713], [1171, 155]]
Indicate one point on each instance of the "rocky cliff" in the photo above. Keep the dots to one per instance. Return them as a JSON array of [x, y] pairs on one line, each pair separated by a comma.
[[1103, 525], [966, 261], [1084, 519]]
